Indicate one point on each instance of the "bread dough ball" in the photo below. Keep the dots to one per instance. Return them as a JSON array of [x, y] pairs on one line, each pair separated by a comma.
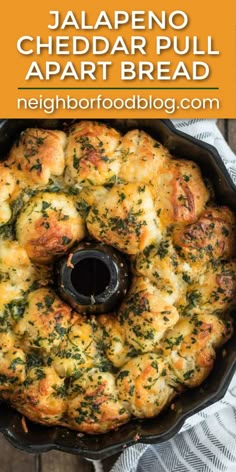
[[114, 339], [145, 315], [125, 218], [17, 275], [12, 364], [159, 263], [91, 154], [214, 291], [94, 406], [7, 186], [211, 237], [79, 349], [181, 194], [45, 321], [143, 385], [141, 157], [48, 226], [190, 347], [41, 397], [88, 197], [38, 155]]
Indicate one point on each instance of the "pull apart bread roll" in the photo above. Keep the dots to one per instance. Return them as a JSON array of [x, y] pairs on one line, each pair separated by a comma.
[[79, 349], [210, 238], [88, 197], [143, 319], [41, 396], [145, 315], [38, 155], [141, 157], [94, 405], [159, 263], [114, 339], [17, 277], [7, 186], [45, 321], [17, 272], [91, 154], [125, 218], [181, 194], [213, 292], [48, 226], [144, 385], [189, 347], [12, 364]]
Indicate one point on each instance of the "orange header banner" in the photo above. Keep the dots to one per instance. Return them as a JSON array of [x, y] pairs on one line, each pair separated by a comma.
[[134, 59]]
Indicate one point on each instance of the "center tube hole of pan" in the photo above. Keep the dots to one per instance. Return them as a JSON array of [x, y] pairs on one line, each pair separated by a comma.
[[90, 276]]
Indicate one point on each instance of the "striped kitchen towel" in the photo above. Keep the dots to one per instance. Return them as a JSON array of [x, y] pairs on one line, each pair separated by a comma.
[[207, 441]]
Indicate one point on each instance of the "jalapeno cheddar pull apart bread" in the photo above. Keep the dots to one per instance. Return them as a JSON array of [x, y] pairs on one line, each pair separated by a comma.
[[94, 373]]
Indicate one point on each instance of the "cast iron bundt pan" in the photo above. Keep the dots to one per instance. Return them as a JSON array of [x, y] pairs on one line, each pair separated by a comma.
[[167, 424]]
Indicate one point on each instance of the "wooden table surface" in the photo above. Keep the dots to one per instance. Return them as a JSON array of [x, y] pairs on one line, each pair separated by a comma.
[[13, 460]]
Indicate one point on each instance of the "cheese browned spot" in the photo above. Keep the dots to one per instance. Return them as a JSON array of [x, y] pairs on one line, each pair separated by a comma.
[[181, 194], [211, 237], [49, 225], [91, 155], [42, 396]]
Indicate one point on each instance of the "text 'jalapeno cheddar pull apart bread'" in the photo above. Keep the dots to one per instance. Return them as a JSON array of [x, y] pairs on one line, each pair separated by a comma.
[[93, 373]]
